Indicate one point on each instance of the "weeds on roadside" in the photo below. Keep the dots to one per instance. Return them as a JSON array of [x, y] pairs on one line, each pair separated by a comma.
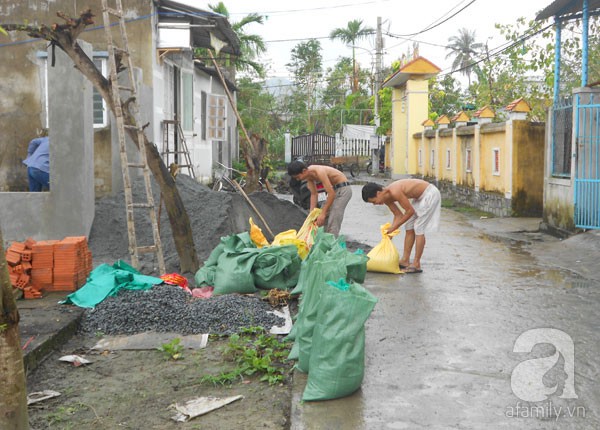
[[172, 350], [469, 211], [255, 352], [62, 415]]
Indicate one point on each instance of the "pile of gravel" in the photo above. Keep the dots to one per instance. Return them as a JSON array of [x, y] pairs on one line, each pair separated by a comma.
[[167, 308]]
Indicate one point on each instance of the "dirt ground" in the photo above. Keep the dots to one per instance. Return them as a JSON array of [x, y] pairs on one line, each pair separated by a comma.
[[134, 389]]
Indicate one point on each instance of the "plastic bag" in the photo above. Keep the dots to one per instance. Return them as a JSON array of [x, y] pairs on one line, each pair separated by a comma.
[[257, 235], [384, 257]]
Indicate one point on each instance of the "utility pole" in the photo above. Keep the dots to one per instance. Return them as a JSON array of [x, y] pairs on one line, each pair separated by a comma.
[[378, 54]]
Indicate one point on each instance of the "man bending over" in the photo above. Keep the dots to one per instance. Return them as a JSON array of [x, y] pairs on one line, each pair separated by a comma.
[[336, 186], [419, 217]]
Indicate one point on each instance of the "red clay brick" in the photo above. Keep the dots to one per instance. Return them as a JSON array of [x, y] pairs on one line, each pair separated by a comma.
[[17, 247], [12, 257], [29, 242]]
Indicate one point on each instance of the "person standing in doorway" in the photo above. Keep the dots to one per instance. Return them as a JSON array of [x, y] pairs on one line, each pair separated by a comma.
[[38, 162], [337, 187], [420, 216]]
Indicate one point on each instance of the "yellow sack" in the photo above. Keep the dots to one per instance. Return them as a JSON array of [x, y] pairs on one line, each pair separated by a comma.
[[284, 235], [300, 244], [384, 257], [257, 235], [288, 237], [308, 231]]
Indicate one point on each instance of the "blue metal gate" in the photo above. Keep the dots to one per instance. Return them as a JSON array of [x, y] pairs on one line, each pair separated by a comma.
[[587, 167]]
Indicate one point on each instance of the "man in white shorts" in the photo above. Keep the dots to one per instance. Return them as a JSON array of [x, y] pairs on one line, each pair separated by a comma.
[[419, 217]]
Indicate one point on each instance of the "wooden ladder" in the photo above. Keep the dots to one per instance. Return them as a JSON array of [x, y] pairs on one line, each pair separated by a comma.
[[172, 128], [130, 89]]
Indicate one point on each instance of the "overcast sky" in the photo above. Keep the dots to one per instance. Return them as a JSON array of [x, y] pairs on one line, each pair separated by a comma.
[[291, 22]]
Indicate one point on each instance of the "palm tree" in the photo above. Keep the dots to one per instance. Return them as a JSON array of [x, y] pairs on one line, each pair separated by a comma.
[[353, 32], [463, 48], [251, 45]]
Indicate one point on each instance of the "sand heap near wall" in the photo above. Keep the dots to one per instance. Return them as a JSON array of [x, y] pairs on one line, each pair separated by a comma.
[[213, 214]]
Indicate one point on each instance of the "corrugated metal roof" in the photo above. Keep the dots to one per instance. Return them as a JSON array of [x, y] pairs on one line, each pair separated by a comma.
[[566, 7]]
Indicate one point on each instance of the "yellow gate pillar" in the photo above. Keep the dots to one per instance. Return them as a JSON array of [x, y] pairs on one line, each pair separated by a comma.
[[410, 103]]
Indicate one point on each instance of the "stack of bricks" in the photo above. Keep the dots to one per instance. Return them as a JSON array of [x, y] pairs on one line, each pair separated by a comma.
[[49, 265], [72, 264], [42, 264]]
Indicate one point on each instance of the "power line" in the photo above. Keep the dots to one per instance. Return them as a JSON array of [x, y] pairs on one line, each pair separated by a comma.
[[283, 12], [431, 27], [498, 51], [493, 53]]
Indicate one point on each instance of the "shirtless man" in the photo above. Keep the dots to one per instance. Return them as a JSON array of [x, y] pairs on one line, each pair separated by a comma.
[[336, 185], [419, 217]]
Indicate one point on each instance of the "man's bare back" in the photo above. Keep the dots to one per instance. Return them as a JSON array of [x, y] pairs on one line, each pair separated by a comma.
[[411, 188], [325, 174]]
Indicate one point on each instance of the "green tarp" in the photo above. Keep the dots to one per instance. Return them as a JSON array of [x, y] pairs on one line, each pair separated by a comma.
[[106, 280]]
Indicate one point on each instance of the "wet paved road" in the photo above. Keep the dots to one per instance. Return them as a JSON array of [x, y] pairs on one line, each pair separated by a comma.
[[439, 351]]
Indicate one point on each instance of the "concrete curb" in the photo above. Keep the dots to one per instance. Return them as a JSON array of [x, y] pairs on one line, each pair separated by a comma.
[[44, 326]]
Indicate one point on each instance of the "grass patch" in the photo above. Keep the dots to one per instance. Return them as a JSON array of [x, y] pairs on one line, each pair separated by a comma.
[[254, 352], [469, 211]]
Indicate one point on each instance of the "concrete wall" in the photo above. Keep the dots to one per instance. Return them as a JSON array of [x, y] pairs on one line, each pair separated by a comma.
[[558, 200], [68, 208]]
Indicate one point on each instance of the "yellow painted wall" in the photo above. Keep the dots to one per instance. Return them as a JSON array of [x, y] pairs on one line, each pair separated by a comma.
[[409, 108], [447, 144], [464, 178], [528, 168], [398, 152], [521, 157], [493, 137]]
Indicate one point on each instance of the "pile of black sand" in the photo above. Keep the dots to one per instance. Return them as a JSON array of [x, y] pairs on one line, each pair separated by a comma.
[[213, 214]]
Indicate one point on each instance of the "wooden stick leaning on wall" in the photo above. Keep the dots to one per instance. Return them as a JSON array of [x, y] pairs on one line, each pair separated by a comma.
[[241, 190]]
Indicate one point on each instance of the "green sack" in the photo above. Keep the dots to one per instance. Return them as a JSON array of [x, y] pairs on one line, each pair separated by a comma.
[[337, 359], [320, 273], [314, 255], [356, 264], [214, 255], [234, 272], [277, 267], [205, 276], [238, 242]]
